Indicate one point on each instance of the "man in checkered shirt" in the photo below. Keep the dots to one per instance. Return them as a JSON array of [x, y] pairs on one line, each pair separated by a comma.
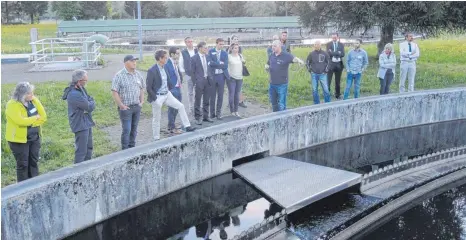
[[128, 92]]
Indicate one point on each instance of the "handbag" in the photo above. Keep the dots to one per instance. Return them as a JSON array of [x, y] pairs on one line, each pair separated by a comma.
[[245, 69]]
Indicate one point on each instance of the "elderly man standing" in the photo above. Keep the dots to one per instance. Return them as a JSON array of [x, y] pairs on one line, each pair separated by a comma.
[[185, 69], [409, 53], [278, 65], [80, 107], [128, 92], [317, 64], [356, 64]]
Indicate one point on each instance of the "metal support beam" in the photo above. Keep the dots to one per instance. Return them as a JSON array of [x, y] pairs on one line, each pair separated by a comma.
[[140, 30]]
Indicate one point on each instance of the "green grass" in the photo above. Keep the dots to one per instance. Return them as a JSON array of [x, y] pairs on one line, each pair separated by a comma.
[[58, 141], [442, 64]]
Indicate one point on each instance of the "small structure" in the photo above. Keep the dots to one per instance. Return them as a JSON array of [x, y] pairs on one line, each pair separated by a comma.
[[62, 54]]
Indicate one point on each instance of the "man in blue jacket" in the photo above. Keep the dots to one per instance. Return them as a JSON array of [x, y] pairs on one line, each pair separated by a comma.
[[220, 65], [80, 107], [175, 87]]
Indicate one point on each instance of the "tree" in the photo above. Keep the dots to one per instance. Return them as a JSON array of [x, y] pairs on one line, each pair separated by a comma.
[[233, 8], [201, 9], [94, 9], [426, 17], [285, 8], [34, 8], [66, 10], [176, 9], [149, 10], [260, 9], [9, 8]]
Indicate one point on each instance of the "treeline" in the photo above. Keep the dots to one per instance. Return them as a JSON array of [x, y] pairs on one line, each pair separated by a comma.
[[14, 11]]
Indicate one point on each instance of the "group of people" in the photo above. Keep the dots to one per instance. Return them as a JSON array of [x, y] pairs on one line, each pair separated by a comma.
[[206, 71], [324, 64]]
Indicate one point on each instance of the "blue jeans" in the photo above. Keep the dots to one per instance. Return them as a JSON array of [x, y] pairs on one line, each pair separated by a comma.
[[277, 96], [172, 112], [129, 122], [322, 78], [349, 81]]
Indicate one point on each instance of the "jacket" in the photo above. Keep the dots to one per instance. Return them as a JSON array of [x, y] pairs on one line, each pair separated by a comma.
[[154, 82], [80, 107], [198, 70], [172, 74], [385, 63], [317, 62], [17, 120], [187, 61], [357, 61], [339, 53], [215, 64]]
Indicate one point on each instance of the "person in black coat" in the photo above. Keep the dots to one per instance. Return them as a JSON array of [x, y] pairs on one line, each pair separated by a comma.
[[336, 51]]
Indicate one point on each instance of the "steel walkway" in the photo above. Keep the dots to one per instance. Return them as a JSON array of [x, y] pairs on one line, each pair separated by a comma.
[[293, 184]]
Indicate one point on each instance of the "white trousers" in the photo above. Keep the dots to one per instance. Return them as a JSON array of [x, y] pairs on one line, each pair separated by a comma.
[[407, 69], [170, 101]]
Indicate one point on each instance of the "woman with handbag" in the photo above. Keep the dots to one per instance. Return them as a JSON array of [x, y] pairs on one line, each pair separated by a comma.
[[237, 70], [24, 118]]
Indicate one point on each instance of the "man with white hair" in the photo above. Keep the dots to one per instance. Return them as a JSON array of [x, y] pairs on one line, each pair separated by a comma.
[[277, 65], [409, 53], [80, 107]]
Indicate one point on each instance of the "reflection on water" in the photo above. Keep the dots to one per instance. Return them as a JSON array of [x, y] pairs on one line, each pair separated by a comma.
[[440, 218]]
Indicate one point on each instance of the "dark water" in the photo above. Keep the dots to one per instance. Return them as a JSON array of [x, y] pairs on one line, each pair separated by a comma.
[[440, 218], [224, 206]]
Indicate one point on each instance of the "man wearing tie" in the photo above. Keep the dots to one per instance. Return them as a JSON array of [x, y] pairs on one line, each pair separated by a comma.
[[176, 79], [409, 53], [336, 51], [202, 77], [220, 65]]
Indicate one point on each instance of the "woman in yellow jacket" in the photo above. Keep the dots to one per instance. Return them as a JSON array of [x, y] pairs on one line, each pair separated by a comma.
[[24, 118]]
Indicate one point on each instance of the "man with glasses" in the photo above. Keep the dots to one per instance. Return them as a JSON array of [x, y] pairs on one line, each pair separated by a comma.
[[202, 77], [185, 69], [128, 93], [220, 65]]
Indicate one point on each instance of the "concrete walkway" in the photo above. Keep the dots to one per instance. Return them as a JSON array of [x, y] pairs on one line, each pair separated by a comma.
[[13, 73]]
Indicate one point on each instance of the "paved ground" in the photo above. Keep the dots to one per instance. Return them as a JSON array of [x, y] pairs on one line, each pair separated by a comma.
[[12, 73]]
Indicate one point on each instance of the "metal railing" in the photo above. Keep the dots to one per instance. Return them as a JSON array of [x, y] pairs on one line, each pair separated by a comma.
[[66, 50]]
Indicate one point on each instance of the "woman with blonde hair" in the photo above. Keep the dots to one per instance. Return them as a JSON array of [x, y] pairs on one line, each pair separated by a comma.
[[387, 64], [25, 116], [235, 65]]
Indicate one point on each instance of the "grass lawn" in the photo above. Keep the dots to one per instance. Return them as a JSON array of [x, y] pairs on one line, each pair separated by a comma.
[[16, 38], [58, 141], [441, 64]]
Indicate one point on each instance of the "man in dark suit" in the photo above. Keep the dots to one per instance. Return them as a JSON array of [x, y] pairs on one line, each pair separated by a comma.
[[158, 84], [175, 81], [336, 51], [220, 65], [203, 80]]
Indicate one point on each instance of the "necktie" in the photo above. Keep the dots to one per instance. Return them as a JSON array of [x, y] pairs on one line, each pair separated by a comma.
[[204, 65], [177, 75], [334, 46], [409, 46]]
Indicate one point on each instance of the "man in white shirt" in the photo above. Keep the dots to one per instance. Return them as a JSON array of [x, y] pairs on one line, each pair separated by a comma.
[[409, 53], [185, 69]]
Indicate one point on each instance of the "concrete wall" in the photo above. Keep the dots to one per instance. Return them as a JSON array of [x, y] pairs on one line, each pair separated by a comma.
[[56, 204]]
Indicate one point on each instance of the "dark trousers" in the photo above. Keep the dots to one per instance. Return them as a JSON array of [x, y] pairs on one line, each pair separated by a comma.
[[335, 68], [217, 95], [234, 89], [385, 83], [83, 145], [27, 156], [129, 122], [204, 92], [172, 112]]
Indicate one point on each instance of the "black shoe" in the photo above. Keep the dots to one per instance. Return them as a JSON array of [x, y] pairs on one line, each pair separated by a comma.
[[241, 104], [208, 120], [189, 129], [199, 122]]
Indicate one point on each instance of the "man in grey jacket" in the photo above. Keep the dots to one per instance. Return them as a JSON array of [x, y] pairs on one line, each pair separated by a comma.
[[80, 107], [317, 64]]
